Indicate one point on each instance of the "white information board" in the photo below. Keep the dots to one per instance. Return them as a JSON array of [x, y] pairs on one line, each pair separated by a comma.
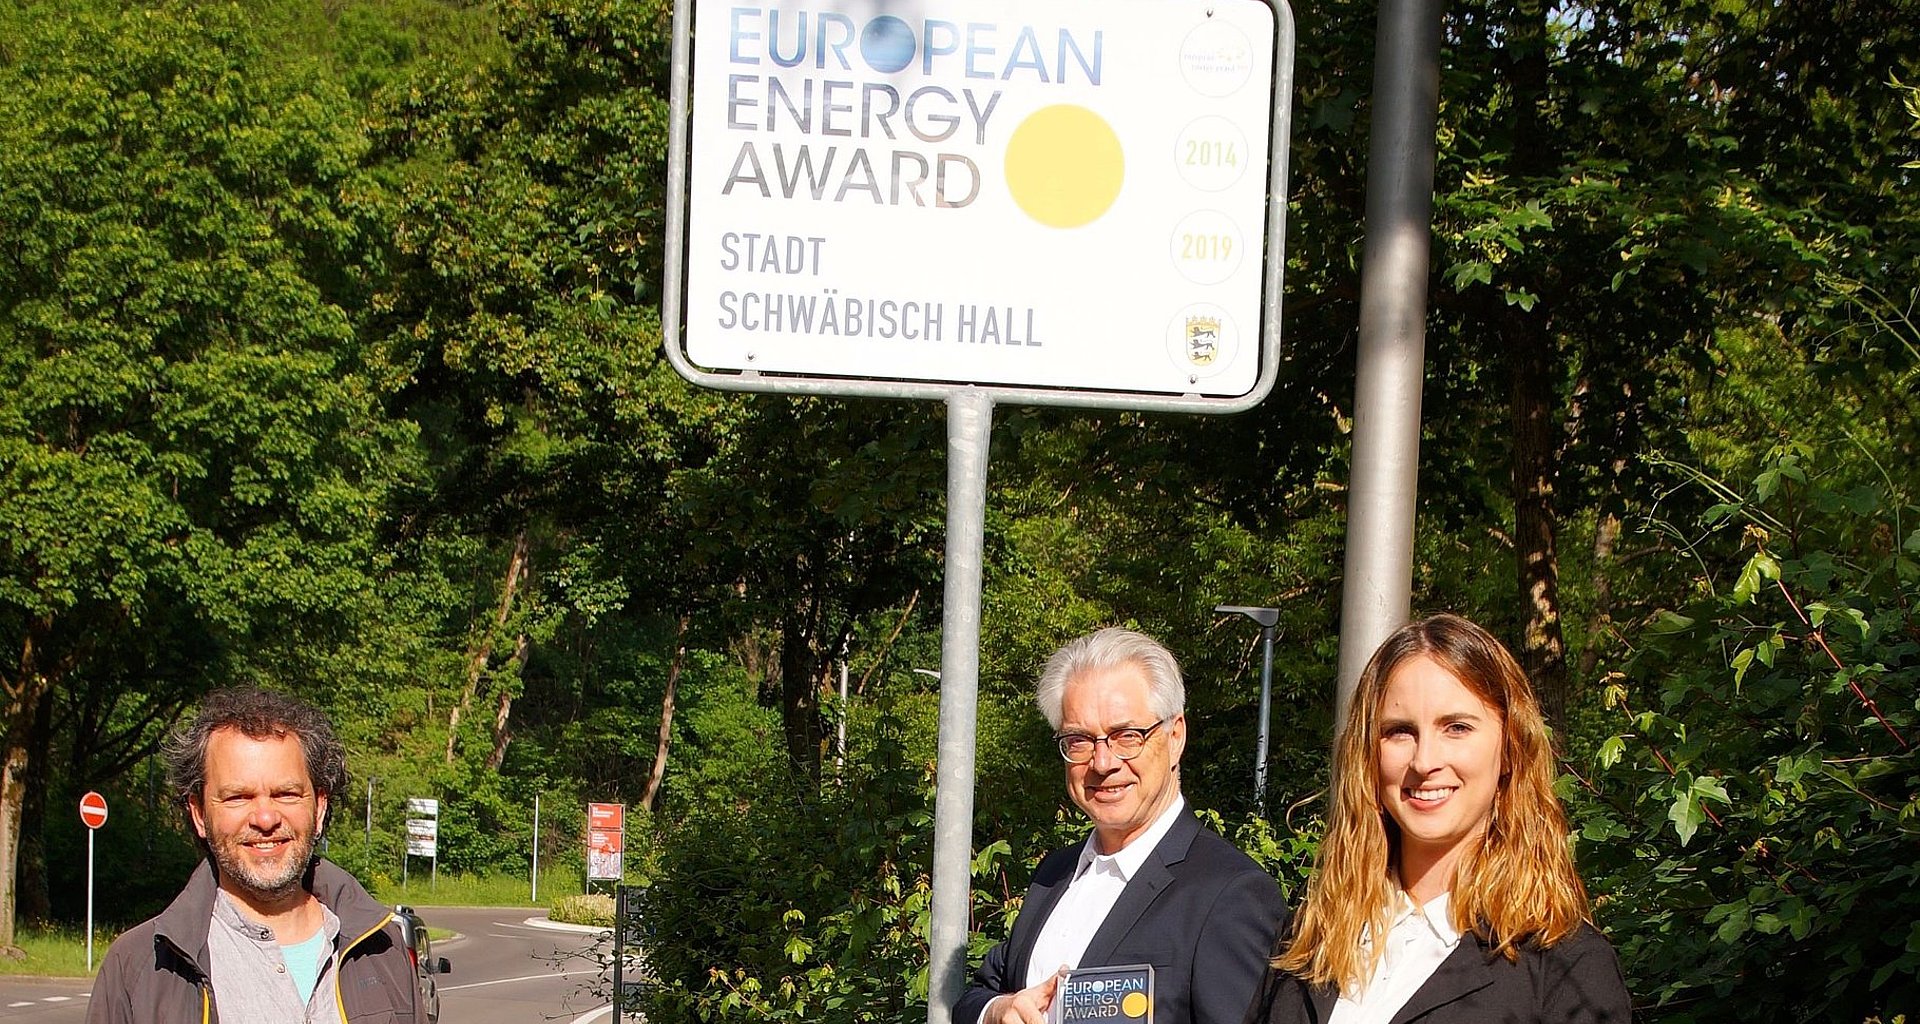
[[1043, 193], [423, 837]]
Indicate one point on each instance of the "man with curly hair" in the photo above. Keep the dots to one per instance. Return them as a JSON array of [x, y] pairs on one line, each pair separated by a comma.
[[264, 931]]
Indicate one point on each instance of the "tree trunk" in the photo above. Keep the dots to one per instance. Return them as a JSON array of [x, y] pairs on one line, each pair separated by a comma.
[[1606, 537], [483, 645], [886, 646], [1543, 648], [35, 901], [1528, 338], [800, 699], [659, 770], [503, 706], [23, 694]]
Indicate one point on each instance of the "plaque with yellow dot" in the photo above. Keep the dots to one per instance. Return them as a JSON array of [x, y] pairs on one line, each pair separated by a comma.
[[1120, 994]]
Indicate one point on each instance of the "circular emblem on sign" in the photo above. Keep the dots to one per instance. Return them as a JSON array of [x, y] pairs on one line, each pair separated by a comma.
[[1134, 1004], [1211, 153], [1064, 165], [1202, 340], [1216, 59], [1206, 247]]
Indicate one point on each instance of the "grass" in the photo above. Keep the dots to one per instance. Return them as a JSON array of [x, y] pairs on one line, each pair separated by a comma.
[[464, 890], [56, 951]]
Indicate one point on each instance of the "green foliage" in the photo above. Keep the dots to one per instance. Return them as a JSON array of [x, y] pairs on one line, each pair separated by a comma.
[[792, 906], [1764, 781], [1285, 850]]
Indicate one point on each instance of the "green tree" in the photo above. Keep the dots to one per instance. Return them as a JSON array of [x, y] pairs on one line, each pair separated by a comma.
[[191, 457]]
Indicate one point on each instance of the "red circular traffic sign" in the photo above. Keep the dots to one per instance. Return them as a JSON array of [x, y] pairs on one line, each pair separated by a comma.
[[93, 810]]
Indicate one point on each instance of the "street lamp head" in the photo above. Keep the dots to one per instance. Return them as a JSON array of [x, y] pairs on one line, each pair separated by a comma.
[[1267, 618]]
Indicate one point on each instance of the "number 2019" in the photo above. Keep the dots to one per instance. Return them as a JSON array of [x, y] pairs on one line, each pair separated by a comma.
[[1206, 247]]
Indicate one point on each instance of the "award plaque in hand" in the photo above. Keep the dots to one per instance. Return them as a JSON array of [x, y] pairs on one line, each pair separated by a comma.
[[1121, 994]]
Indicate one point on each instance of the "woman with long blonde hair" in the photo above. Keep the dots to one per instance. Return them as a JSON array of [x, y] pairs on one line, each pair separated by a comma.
[[1445, 890]]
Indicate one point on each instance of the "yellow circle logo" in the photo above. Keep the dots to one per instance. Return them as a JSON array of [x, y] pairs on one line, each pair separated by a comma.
[[1064, 166], [1134, 1004]]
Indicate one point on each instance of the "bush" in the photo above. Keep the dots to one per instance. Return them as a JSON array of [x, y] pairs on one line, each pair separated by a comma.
[[790, 905], [595, 909], [1754, 823]]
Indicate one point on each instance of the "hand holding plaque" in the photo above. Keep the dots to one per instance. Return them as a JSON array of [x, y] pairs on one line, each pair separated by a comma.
[[1122, 994]]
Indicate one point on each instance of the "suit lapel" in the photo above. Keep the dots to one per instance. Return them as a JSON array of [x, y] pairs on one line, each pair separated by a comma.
[[1048, 885], [1155, 874], [1323, 998], [1464, 971]]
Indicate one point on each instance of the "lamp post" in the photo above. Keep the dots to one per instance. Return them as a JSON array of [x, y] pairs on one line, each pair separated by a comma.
[[1267, 618]]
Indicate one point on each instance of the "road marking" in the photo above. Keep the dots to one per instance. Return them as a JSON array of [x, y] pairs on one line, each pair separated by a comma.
[[57, 999], [530, 977], [593, 1015], [14, 1005]]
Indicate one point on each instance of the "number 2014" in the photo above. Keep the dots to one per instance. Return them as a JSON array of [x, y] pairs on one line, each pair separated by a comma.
[[1208, 153]]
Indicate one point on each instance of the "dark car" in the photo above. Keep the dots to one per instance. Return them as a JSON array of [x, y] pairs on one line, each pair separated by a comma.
[[425, 966]]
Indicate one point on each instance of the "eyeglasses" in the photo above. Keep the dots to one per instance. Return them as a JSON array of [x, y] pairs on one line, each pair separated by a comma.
[[1126, 744]]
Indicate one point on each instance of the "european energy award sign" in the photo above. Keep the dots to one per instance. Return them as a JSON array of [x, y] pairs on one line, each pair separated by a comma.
[[1033, 193]]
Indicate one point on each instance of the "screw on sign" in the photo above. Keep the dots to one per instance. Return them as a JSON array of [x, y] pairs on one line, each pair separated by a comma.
[[93, 810]]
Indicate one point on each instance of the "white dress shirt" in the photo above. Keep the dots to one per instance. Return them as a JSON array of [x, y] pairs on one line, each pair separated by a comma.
[[1097, 883], [1418, 940]]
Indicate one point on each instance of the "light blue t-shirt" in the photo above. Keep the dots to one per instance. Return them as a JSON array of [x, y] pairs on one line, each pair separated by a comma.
[[303, 963]]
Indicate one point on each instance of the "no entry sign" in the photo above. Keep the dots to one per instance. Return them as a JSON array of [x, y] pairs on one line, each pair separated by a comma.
[[93, 810]]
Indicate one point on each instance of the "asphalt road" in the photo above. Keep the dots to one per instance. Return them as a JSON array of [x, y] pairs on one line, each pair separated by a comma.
[[504, 972]]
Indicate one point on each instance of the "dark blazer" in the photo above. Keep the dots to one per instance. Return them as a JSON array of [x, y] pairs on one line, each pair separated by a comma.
[[1200, 911], [1578, 981]]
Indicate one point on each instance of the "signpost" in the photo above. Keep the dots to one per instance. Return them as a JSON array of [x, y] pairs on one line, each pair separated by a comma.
[[423, 836], [628, 954], [1077, 203], [93, 814], [606, 840]]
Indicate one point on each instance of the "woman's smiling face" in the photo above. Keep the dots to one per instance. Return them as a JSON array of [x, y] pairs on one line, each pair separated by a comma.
[[1439, 764]]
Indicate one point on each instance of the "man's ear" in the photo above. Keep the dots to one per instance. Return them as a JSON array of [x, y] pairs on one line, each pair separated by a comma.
[[199, 817], [320, 816]]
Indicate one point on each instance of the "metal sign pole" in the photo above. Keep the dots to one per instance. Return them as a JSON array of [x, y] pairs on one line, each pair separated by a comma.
[[1390, 365], [90, 901], [1266, 713], [619, 951], [535, 898], [969, 426]]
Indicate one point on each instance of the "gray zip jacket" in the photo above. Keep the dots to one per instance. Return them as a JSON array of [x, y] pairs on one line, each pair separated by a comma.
[[156, 972]]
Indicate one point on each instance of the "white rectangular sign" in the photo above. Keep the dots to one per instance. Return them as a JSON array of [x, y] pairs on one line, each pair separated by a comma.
[[423, 805], [423, 837], [1070, 193]]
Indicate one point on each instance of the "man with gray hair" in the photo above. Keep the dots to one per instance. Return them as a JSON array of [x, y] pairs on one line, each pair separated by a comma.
[[1149, 885], [264, 930]]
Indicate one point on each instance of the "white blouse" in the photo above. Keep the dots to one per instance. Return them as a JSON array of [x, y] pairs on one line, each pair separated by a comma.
[[1418, 940]]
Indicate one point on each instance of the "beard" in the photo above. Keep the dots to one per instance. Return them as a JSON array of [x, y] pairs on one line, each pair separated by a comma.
[[265, 883]]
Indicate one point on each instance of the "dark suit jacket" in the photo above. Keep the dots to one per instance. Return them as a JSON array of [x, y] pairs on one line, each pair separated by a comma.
[[1575, 982], [1200, 911]]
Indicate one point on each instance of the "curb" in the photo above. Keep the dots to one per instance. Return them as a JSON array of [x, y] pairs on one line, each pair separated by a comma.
[[558, 926]]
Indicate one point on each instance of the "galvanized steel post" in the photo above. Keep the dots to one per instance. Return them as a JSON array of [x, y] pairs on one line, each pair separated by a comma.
[[1390, 364], [969, 427]]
